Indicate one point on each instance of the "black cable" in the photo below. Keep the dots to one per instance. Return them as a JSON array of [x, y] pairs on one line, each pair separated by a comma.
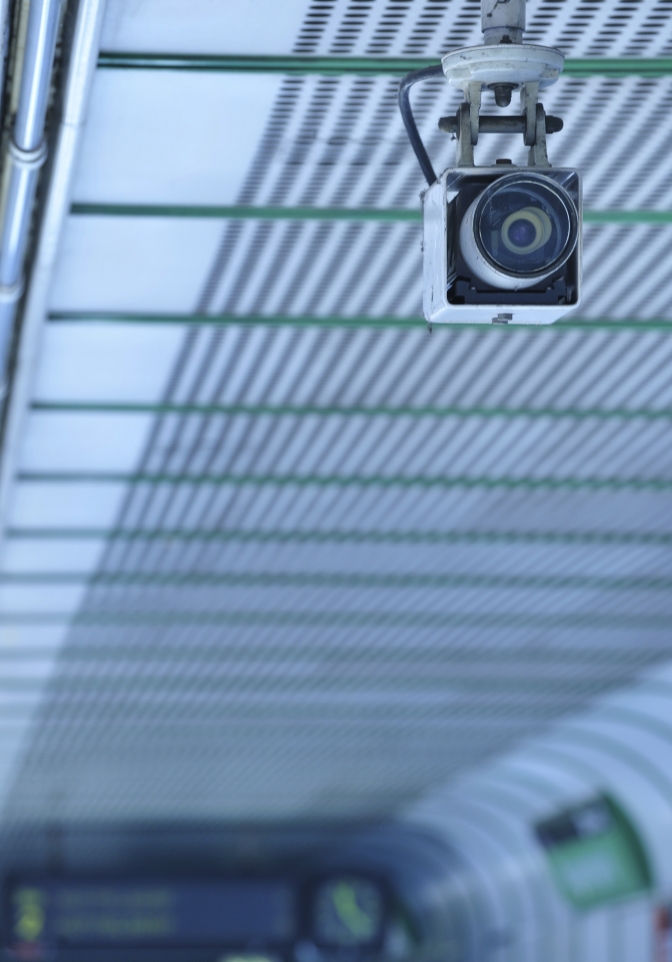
[[409, 121]]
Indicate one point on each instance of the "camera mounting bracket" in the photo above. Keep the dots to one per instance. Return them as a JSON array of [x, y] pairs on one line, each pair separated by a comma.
[[502, 67]]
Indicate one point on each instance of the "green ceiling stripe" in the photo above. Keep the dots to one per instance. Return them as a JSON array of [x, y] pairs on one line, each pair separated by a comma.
[[254, 63], [338, 686], [337, 580], [571, 661], [288, 410], [252, 320], [340, 322], [458, 706], [655, 539], [289, 708], [376, 66], [244, 722], [368, 481], [393, 215], [340, 619], [253, 723], [618, 66], [628, 216], [248, 212]]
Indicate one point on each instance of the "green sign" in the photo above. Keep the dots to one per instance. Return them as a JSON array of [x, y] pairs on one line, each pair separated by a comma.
[[594, 853]]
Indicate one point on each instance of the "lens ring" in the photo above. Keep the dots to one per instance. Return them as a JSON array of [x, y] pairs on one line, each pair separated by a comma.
[[533, 199], [540, 222]]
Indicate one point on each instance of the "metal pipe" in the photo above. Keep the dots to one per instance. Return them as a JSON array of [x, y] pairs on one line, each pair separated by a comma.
[[80, 66], [38, 63], [25, 156], [503, 21], [24, 167], [4, 45]]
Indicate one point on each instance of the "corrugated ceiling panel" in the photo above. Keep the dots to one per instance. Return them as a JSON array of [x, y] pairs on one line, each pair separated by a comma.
[[290, 611]]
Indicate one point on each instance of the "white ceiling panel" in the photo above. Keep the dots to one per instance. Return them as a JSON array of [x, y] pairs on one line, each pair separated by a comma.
[[172, 137], [11, 743], [203, 26], [18, 639], [41, 599], [106, 362], [490, 567], [26, 555], [134, 264], [46, 505], [84, 441], [32, 670]]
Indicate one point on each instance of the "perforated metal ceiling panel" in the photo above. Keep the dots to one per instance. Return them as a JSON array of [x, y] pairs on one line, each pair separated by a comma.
[[316, 569]]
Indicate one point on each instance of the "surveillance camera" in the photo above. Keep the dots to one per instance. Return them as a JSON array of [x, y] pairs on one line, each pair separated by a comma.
[[502, 244]]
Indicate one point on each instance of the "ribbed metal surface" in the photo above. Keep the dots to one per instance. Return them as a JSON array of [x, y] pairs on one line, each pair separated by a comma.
[[302, 612], [621, 746]]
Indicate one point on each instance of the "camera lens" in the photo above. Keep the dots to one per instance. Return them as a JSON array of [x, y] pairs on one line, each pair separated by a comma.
[[526, 230], [521, 229], [524, 225], [522, 234]]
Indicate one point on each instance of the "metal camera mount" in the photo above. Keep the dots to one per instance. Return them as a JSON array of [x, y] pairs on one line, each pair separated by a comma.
[[502, 68], [503, 64]]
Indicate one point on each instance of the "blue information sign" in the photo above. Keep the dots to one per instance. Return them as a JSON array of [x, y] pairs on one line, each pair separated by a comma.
[[107, 914]]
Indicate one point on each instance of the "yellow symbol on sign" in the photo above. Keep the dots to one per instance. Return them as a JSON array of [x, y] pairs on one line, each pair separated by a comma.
[[357, 921], [29, 915]]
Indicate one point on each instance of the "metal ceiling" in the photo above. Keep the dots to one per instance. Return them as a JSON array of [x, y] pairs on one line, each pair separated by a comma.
[[274, 550]]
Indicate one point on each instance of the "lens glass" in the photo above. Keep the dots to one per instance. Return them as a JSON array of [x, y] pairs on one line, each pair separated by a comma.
[[524, 225], [521, 233]]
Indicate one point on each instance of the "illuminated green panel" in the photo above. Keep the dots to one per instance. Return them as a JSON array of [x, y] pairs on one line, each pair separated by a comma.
[[594, 853]]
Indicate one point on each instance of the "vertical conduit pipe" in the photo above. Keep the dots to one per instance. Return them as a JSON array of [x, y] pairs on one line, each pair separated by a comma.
[[503, 21], [25, 156], [80, 57], [4, 45]]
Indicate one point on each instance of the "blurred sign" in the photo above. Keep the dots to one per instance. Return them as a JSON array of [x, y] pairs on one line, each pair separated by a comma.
[[348, 912], [45, 915], [594, 853]]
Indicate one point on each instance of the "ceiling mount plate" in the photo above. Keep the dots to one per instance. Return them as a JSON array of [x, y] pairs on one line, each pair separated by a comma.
[[504, 63]]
